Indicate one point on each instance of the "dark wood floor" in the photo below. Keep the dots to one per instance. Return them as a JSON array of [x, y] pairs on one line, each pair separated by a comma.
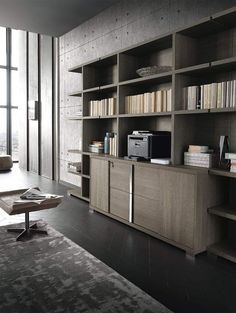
[[204, 285]]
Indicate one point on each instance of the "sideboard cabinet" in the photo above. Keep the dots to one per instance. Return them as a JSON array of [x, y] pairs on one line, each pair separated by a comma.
[[169, 203]]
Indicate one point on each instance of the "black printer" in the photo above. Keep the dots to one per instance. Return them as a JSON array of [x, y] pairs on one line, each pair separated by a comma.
[[149, 144]]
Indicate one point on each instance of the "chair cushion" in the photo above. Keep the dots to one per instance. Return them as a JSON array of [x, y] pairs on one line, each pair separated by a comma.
[[5, 162]]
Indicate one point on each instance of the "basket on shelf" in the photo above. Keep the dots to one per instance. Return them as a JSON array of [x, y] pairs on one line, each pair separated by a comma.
[[152, 70]]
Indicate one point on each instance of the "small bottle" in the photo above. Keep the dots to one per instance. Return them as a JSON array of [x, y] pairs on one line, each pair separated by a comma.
[[107, 143]]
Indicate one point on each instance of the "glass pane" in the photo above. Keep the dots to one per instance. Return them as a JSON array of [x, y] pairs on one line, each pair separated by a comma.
[[14, 88], [3, 131], [3, 87], [15, 140], [2, 46], [15, 35]]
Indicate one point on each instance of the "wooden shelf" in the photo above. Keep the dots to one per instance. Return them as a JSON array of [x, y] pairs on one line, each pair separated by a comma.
[[108, 87], [194, 69], [223, 173], [224, 249], [204, 111], [74, 118], [226, 211], [99, 117], [183, 112], [74, 151], [86, 176], [75, 69], [91, 89], [228, 64], [157, 77], [76, 94], [223, 110], [86, 153], [146, 114]]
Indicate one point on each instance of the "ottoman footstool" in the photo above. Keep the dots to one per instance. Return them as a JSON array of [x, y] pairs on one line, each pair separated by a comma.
[[5, 162], [9, 205]]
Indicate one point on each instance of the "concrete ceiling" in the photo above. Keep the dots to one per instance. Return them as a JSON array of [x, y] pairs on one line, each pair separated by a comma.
[[49, 17]]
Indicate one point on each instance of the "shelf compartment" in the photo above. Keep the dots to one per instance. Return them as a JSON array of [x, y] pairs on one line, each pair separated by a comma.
[[206, 41], [197, 78], [155, 52], [128, 124], [100, 73], [224, 173], [225, 249], [203, 129], [98, 94], [226, 211], [141, 88], [95, 129]]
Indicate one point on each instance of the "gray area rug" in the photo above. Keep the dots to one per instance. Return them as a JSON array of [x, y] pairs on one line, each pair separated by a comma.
[[52, 274]]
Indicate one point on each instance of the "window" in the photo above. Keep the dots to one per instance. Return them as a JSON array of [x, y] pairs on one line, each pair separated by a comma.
[[9, 92]]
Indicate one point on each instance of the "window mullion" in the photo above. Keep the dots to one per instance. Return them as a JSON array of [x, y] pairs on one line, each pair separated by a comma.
[[8, 50]]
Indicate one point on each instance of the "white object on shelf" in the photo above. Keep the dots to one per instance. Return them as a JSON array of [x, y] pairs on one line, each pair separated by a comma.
[[161, 161]]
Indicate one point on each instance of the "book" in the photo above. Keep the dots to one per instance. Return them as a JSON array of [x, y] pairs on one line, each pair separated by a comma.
[[213, 102], [228, 94], [159, 101], [169, 100], [230, 156], [164, 161], [197, 149]]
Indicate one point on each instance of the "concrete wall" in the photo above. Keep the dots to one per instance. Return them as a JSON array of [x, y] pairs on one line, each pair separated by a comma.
[[124, 24]]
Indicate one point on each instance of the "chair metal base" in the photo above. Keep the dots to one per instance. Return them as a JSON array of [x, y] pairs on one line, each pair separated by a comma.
[[28, 231]]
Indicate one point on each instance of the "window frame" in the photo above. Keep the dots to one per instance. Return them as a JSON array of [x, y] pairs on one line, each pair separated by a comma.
[[9, 68]]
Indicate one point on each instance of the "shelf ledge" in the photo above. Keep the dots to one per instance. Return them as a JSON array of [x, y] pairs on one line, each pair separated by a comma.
[[225, 211], [224, 249]]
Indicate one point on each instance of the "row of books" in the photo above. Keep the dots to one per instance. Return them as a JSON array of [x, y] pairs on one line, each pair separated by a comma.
[[199, 156], [149, 102], [102, 107], [210, 96], [112, 147], [232, 157]]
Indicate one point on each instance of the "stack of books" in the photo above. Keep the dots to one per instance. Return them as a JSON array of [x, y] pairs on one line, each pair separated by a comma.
[[198, 156], [102, 107], [96, 146], [149, 102], [232, 158], [210, 96]]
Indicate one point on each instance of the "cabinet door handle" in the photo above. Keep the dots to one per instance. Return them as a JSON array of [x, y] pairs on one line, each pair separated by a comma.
[[112, 164]]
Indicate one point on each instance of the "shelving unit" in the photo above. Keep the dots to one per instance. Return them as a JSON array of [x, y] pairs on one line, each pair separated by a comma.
[[200, 54]]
